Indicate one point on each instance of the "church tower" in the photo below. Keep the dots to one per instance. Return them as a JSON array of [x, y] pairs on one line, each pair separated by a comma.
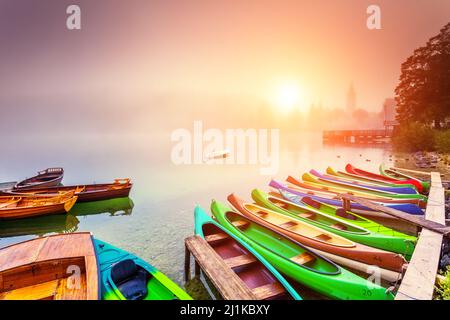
[[351, 99]]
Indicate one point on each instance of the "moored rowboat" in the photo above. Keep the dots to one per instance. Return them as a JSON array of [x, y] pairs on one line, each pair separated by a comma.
[[298, 262], [263, 280], [120, 188], [317, 238], [46, 178], [25, 207], [44, 268]]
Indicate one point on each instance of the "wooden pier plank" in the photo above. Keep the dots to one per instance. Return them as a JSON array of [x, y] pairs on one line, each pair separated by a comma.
[[419, 280], [230, 286]]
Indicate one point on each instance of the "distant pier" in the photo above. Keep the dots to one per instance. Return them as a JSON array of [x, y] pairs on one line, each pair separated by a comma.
[[379, 136]]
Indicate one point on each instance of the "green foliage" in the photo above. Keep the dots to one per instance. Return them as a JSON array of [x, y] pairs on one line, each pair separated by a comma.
[[414, 137], [443, 292], [423, 93], [442, 141]]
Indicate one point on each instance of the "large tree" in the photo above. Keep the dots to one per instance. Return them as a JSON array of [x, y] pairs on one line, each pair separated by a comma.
[[423, 94]]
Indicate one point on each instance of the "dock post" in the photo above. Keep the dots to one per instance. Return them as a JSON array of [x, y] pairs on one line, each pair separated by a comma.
[[197, 269], [187, 264]]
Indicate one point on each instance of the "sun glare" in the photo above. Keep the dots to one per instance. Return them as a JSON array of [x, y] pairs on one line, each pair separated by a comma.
[[287, 96]]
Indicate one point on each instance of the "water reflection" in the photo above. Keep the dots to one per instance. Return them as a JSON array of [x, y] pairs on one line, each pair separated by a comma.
[[65, 223]]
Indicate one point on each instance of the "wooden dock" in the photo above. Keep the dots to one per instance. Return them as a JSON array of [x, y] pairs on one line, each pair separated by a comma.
[[419, 280], [229, 285], [357, 136]]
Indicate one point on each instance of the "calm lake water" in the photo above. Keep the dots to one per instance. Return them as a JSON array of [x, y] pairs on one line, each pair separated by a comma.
[[159, 214]]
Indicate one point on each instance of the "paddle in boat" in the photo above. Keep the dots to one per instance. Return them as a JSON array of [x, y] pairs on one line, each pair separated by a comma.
[[57, 267], [46, 178], [263, 280], [318, 238], [338, 221], [127, 277], [120, 188], [298, 262], [30, 206]]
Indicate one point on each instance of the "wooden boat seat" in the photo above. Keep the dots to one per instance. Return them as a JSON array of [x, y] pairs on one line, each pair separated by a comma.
[[303, 258], [240, 261], [288, 225], [261, 213], [268, 291], [46, 290], [323, 237], [216, 237], [339, 226], [307, 215], [240, 223]]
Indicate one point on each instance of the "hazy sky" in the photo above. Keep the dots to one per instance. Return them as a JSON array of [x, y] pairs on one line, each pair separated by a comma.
[[129, 49]]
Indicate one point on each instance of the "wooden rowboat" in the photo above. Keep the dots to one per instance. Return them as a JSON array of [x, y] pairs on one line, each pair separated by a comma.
[[318, 238], [25, 207], [45, 178], [120, 188], [58, 267]]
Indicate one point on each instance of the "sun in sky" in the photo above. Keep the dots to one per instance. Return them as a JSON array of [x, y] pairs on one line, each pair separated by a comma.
[[288, 96]]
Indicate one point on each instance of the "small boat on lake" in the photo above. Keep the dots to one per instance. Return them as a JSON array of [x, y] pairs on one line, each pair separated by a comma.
[[265, 282], [124, 276], [120, 188], [318, 238], [297, 261], [57, 267], [18, 207], [46, 178]]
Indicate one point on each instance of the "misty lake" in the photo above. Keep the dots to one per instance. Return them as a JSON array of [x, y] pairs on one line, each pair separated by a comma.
[[157, 217]]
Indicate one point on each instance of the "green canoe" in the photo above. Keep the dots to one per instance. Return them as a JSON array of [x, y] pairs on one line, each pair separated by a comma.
[[345, 224], [299, 263], [255, 271], [127, 277], [310, 179]]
